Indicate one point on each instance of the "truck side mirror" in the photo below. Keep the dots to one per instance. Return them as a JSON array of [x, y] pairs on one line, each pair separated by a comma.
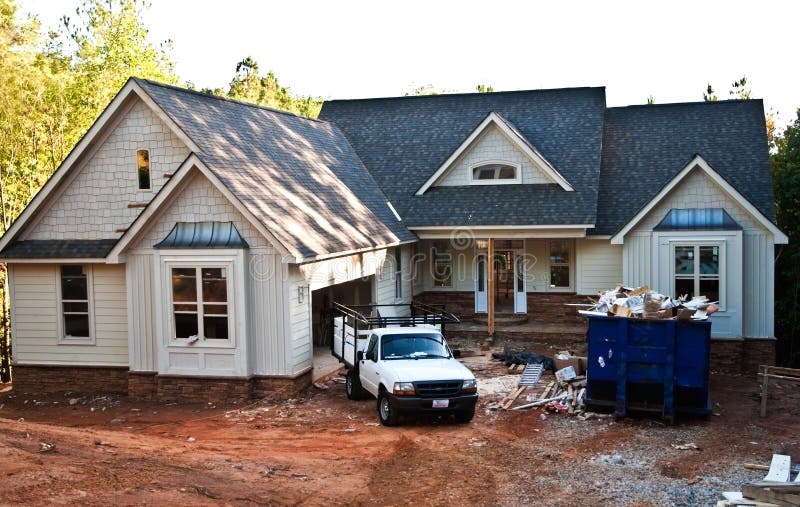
[[360, 355]]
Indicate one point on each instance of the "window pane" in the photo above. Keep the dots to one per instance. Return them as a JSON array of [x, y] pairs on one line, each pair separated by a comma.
[[76, 325], [520, 274], [215, 286], [215, 327], [709, 260], [710, 289], [73, 283], [215, 309], [559, 252], [185, 324], [684, 286], [186, 308], [143, 165], [509, 244], [481, 273], [485, 174], [76, 307], [559, 276], [684, 260], [506, 173], [184, 284]]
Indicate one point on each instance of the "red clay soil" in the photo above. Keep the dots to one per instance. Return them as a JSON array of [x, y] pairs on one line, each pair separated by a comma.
[[322, 449]]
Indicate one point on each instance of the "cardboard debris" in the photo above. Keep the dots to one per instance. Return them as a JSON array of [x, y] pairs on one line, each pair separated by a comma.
[[645, 303]]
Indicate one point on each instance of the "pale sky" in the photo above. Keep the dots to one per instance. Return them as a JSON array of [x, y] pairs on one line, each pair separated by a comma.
[[348, 49]]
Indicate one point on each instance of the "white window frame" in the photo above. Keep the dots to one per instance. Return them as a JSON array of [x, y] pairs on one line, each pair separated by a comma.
[[517, 173], [63, 339], [150, 170], [570, 265], [722, 266], [202, 341]]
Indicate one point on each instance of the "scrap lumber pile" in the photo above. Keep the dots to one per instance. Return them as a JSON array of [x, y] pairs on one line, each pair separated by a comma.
[[776, 489], [645, 303]]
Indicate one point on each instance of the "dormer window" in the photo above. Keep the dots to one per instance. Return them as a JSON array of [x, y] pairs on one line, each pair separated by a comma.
[[495, 173], [143, 169]]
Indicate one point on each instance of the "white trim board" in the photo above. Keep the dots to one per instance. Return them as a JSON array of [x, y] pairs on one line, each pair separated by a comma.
[[700, 163], [515, 137], [88, 142]]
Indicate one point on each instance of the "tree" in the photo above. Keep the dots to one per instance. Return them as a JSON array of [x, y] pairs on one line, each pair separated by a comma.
[[738, 89], [418, 90], [482, 88], [709, 95], [651, 100], [247, 85], [786, 184]]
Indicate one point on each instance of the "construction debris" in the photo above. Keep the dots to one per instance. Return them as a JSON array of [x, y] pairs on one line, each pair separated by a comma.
[[645, 303], [511, 357]]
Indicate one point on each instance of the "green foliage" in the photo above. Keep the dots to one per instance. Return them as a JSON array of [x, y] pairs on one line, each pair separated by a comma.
[[248, 86], [739, 89], [709, 95], [482, 88], [651, 100], [418, 90], [786, 184]]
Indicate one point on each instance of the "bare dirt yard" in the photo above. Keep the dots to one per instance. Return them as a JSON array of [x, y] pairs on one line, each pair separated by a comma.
[[321, 449]]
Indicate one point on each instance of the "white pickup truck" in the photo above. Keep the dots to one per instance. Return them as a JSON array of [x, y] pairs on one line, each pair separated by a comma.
[[409, 369]]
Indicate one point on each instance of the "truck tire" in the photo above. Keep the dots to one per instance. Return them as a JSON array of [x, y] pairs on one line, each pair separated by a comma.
[[387, 412], [352, 386], [465, 416]]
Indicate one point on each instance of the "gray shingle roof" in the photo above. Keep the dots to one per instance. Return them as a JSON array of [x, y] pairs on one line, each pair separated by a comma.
[[300, 177], [402, 141], [644, 147], [58, 249]]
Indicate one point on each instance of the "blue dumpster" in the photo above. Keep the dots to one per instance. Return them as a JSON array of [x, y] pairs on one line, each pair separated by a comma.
[[649, 365]]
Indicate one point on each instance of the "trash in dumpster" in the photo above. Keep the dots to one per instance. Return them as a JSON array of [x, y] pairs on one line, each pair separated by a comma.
[[643, 302]]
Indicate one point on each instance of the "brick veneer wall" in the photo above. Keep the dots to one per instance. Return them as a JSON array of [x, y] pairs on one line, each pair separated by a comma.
[[151, 386], [79, 379], [542, 306], [741, 355]]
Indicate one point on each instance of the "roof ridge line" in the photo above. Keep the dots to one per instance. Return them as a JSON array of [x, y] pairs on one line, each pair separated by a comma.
[[228, 99], [466, 94], [690, 103]]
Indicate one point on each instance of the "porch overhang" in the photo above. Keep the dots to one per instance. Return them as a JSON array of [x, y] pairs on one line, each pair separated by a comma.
[[502, 231]]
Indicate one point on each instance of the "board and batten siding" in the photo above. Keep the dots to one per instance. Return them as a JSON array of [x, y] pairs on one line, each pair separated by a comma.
[[754, 282], [35, 317], [141, 326], [598, 266], [301, 350], [266, 316]]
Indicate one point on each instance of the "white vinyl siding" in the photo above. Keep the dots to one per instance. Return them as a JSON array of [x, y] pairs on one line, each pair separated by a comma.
[[267, 323], [141, 328], [299, 299], [598, 266], [35, 317]]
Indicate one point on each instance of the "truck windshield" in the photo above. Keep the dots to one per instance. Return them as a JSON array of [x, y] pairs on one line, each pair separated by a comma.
[[414, 346]]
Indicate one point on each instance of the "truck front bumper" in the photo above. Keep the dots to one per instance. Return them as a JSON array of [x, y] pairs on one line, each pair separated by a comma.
[[416, 405]]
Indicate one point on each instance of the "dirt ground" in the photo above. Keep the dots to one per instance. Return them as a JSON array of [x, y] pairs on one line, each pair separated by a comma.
[[321, 449]]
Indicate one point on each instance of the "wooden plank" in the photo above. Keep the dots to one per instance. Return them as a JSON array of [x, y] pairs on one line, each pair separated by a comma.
[[779, 494], [764, 385], [791, 372], [779, 468], [508, 401]]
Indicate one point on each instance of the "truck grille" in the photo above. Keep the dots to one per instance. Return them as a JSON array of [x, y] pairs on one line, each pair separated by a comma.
[[438, 388]]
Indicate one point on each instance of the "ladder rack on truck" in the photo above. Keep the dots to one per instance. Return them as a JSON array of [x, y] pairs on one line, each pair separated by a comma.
[[352, 323]]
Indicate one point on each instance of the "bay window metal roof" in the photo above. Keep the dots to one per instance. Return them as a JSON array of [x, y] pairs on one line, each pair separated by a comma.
[[203, 235], [698, 219]]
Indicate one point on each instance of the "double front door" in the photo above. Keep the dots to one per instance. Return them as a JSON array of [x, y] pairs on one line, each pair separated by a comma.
[[509, 276]]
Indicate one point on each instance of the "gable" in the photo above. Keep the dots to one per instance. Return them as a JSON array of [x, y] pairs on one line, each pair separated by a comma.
[[100, 198], [493, 146], [196, 200]]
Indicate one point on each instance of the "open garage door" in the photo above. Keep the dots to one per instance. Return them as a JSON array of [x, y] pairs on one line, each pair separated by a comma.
[[357, 292]]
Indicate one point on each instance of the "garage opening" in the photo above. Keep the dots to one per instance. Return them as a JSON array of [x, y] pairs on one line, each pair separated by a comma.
[[357, 292]]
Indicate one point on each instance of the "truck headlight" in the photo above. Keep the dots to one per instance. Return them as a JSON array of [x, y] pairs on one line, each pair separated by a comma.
[[403, 389], [469, 386]]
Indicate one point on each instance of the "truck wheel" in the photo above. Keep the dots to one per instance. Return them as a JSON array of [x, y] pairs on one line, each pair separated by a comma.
[[465, 416], [352, 386], [387, 413]]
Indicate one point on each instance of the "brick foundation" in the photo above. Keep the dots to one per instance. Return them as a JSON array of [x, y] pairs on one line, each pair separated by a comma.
[[542, 306], [77, 379], [741, 355], [151, 386]]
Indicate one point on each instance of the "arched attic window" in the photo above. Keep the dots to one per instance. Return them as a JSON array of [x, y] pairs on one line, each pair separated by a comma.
[[495, 173]]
